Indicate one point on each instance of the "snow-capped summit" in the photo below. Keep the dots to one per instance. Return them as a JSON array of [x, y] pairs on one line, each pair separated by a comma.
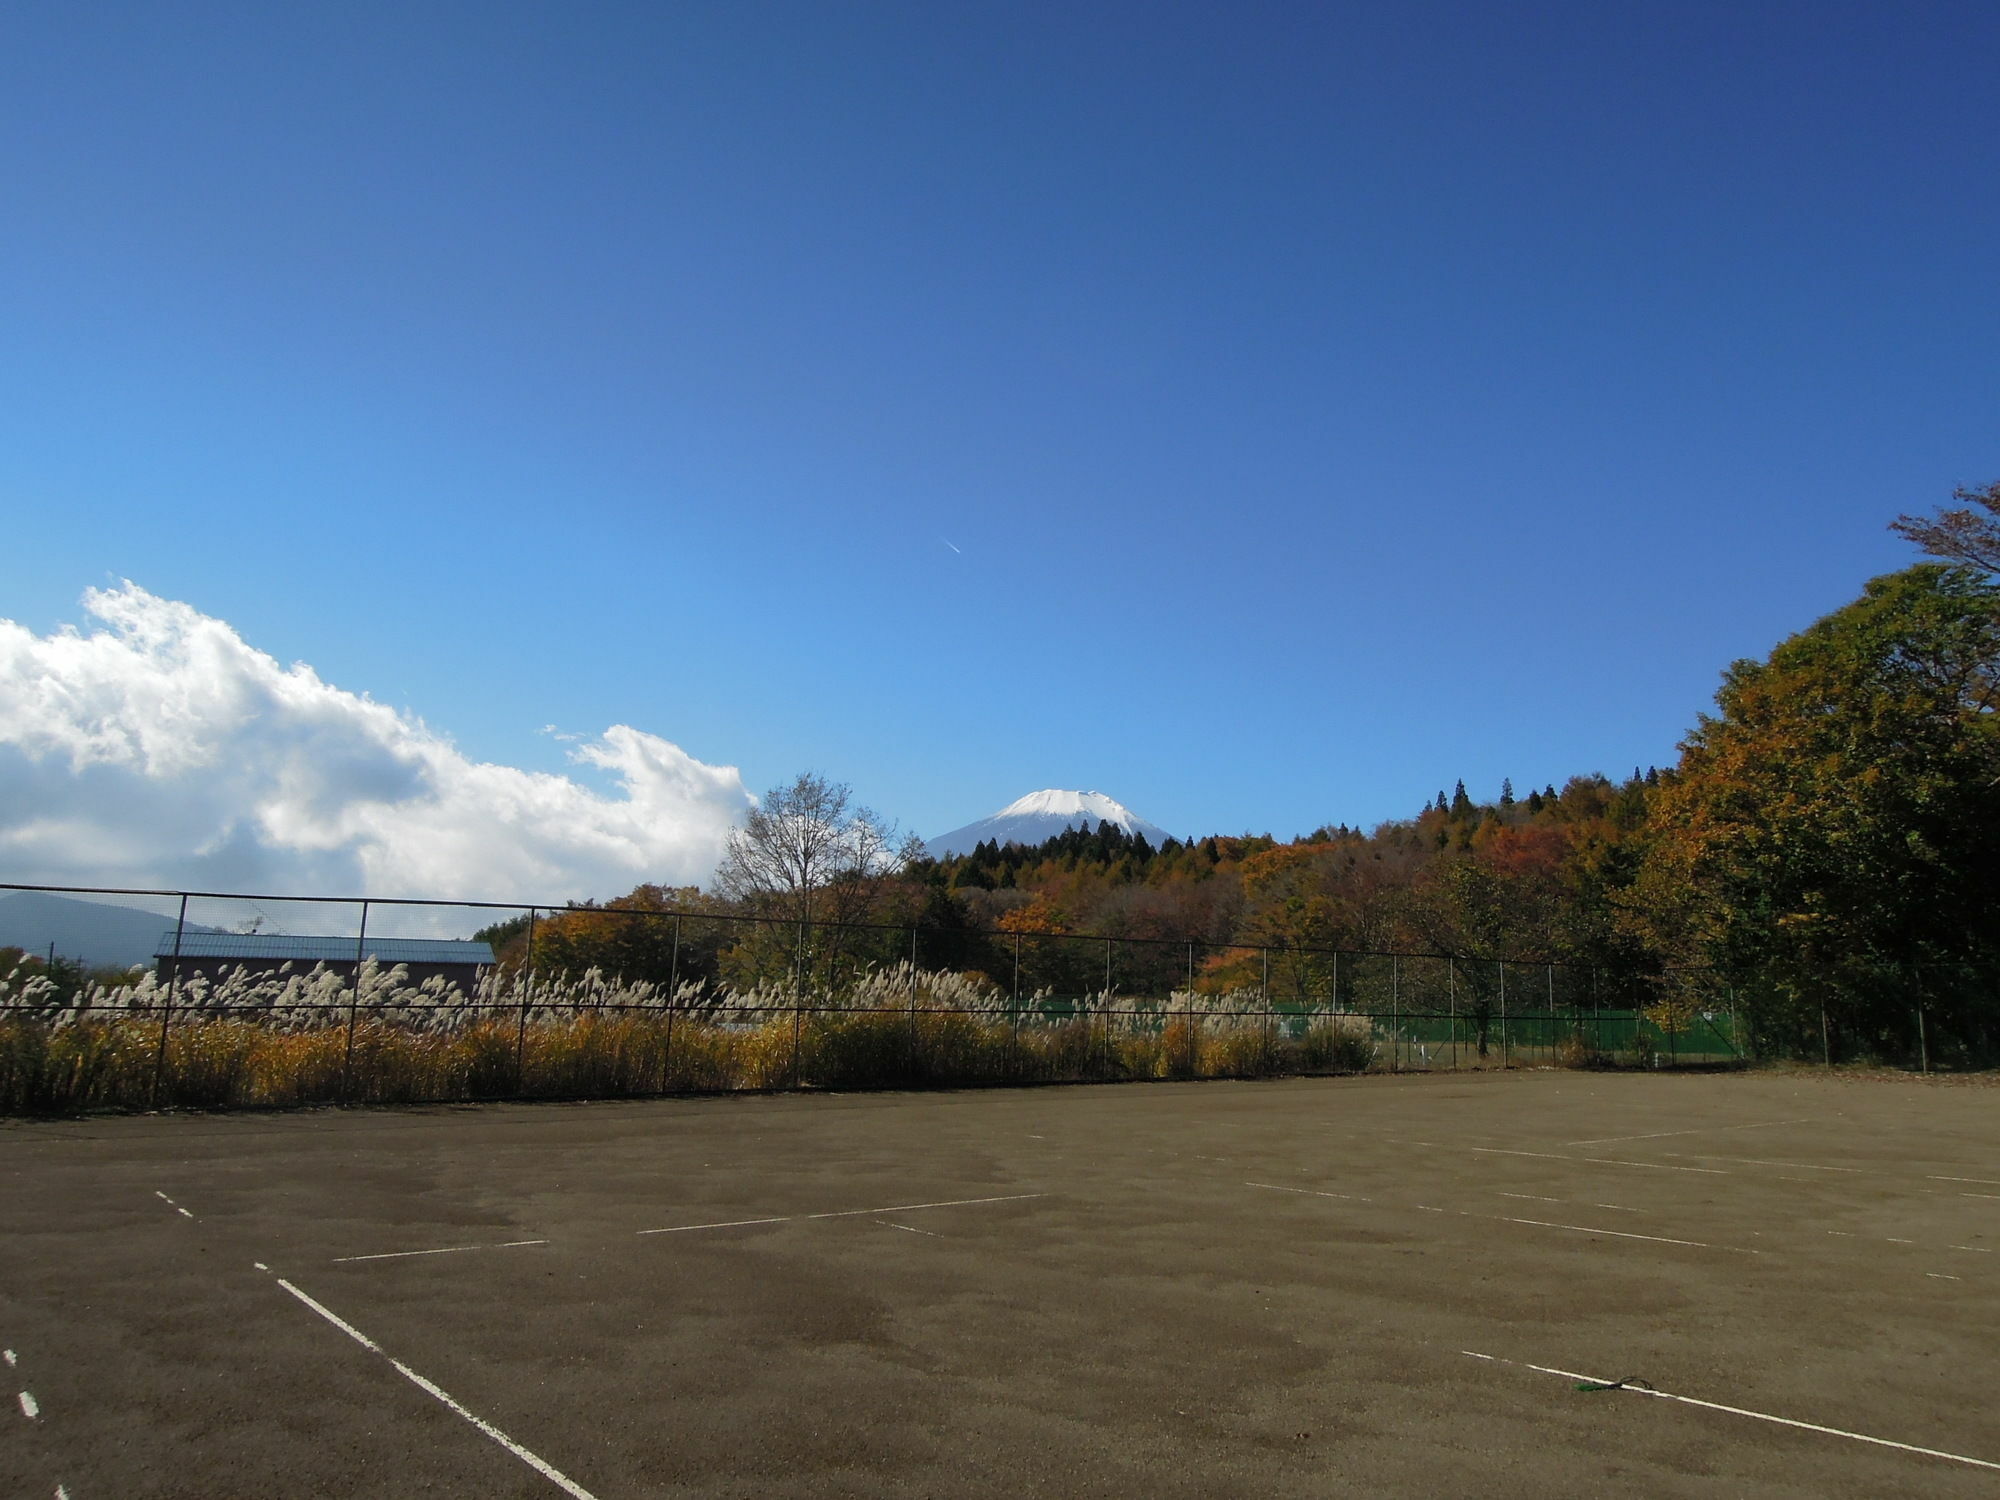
[[1040, 816]]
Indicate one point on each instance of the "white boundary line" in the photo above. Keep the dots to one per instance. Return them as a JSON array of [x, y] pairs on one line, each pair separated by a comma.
[[445, 1250], [1603, 1161], [844, 1213], [1814, 1166], [1465, 1213], [547, 1470], [1742, 1411], [1659, 1239], [1605, 1140], [725, 1224], [1278, 1187]]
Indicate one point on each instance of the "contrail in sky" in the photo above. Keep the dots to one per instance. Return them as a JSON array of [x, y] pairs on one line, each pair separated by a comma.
[[953, 545]]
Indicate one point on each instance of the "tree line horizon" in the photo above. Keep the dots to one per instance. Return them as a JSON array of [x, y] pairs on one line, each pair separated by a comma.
[[1828, 844]]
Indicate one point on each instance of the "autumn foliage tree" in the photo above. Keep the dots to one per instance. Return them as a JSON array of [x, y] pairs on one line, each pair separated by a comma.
[[1959, 534], [1832, 834]]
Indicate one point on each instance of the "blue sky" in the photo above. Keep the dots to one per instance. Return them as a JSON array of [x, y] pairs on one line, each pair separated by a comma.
[[1265, 415]]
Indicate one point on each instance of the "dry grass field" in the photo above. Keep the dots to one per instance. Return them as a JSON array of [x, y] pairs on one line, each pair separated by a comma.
[[1376, 1285]]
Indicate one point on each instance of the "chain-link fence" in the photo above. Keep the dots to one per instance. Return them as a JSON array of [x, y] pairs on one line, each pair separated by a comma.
[[364, 1001]]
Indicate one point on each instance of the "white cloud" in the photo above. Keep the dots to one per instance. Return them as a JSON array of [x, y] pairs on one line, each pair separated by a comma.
[[162, 749]]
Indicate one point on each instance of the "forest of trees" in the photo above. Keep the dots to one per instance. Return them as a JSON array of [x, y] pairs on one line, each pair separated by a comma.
[[1828, 846]]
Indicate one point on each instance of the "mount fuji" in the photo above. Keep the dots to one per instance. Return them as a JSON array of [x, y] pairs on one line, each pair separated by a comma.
[[1040, 816]]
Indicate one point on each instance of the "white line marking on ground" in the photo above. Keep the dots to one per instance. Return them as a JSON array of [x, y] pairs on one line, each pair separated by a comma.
[[1740, 1411], [30, 1408], [1532, 1197], [1625, 1235], [844, 1213], [904, 1208], [908, 1228], [1894, 1241], [1759, 1161], [547, 1470], [161, 1196], [1605, 1140], [260, 1265], [724, 1224], [1940, 1276], [446, 1250], [1975, 1249], [9, 1355], [1605, 1161], [1618, 1208], [1537, 1223], [1989, 1181], [1979, 1195], [182, 1212], [1278, 1187], [1657, 1166]]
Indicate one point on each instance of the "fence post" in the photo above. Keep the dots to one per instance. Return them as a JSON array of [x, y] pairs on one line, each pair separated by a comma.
[[1016, 1006], [1596, 1016], [167, 1008], [1395, 1012], [799, 1009], [1451, 1003], [1923, 1041], [916, 1033], [1264, 998], [1825, 1039], [354, 1008], [1550, 1025], [673, 1004], [1188, 1023], [1506, 1052], [1107, 1007], [527, 999]]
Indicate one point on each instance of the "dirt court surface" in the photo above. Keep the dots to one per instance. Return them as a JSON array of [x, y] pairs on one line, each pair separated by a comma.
[[1367, 1286]]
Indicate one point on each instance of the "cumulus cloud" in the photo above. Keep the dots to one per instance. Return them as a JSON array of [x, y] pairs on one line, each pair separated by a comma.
[[160, 748]]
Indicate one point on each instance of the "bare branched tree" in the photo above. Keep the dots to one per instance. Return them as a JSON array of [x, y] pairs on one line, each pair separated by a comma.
[[1959, 534], [807, 852]]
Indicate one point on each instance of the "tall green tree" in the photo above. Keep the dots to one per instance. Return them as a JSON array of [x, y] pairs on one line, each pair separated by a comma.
[[1834, 831]]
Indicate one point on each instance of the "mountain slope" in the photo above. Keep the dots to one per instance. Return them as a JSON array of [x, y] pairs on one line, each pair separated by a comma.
[[1040, 816], [93, 932]]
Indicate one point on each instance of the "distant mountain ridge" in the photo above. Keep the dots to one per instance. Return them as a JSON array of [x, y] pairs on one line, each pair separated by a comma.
[[1039, 817], [92, 932]]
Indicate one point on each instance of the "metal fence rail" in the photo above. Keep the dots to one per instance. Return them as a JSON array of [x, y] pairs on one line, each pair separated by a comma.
[[663, 1001]]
